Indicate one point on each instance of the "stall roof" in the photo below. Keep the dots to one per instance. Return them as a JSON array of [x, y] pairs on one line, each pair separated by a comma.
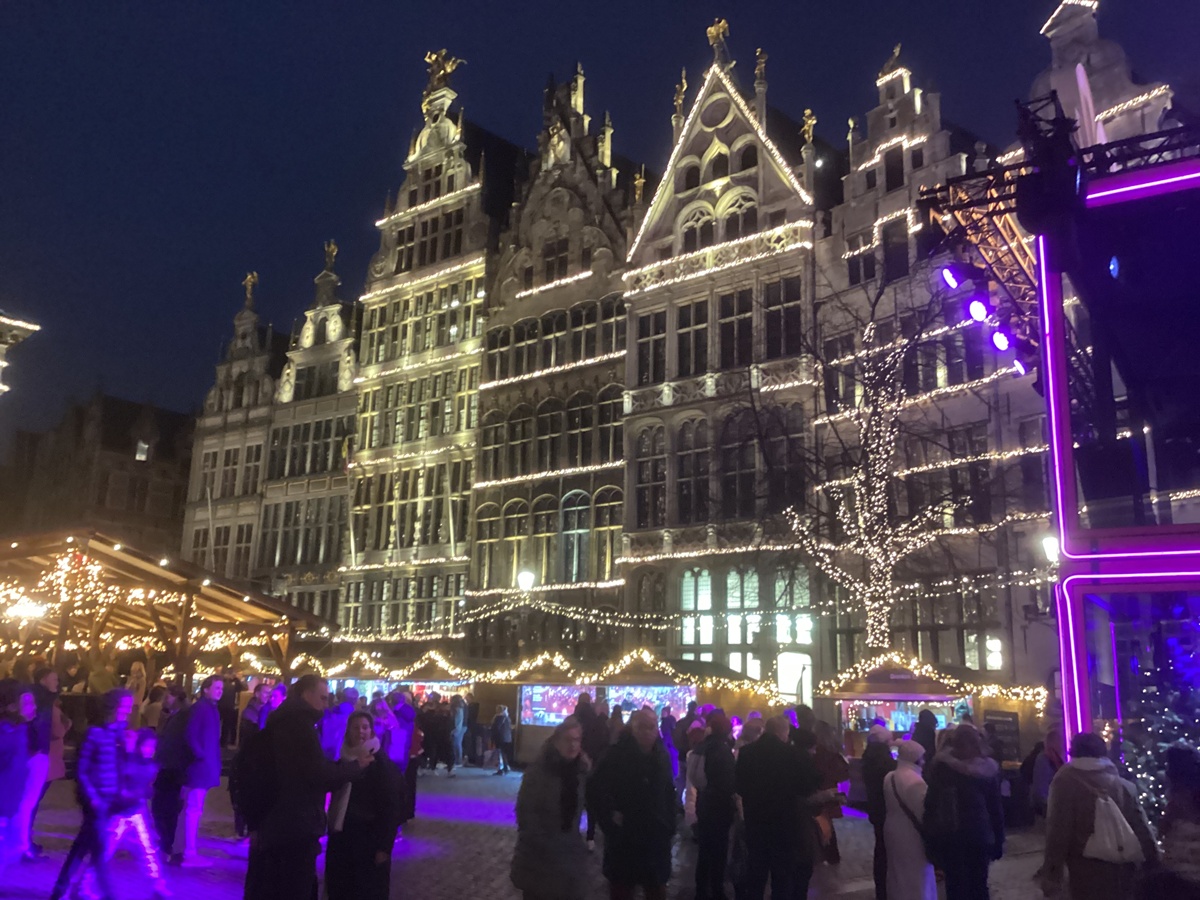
[[894, 682], [216, 601]]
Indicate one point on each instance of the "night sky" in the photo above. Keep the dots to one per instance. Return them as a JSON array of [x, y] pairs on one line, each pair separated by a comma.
[[151, 153]]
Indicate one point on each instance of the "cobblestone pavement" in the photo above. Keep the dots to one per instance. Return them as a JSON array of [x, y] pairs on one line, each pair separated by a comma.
[[459, 846]]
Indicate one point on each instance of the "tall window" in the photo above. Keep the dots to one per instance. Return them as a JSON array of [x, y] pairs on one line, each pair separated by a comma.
[[738, 467], [742, 621], [487, 545], [549, 435], [860, 265], [229, 472], [545, 527], [784, 457], [241, 551], [525, 347], [516, 532], [970, 485], [493, 445], [840, 380], [584, 330], [554, 339], [894, 237], [208, 474], [741, 218], [692, 338], [748, 158], [784, 318], [720, 166], [893, 169], [606, 527], [696, 629], [736, 312], [697, 230], [555, 255], [610, 405], [520, 441], [612, 325], [576, 523], [652, 477], [579, 430], [693, 472], [652, 347]]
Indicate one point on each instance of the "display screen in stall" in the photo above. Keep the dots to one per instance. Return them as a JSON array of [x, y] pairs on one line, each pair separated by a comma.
[[900, 715], [549, 704]]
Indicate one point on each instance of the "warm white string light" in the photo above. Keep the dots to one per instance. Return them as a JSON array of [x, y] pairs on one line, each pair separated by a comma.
[[411, 455], [551, 285], [404, 564], [903, 140], [946, 391], [712, 270], [550, 473], [18, 323], [421, 364], [703, 552], [895, 73], [429, 204], [549, 588], [554, 370], [1133, 102], [952, 463], [424, 279], [717, 249]]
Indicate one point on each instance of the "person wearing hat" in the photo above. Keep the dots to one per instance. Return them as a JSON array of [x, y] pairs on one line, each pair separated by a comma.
[[909, 873], [877, 762]]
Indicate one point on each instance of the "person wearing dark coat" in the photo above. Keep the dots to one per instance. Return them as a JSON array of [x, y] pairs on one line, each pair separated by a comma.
[[595, 745], [876, 763], [250, 721], [925, 732], [172, 758], [502, 737], [406, 725], [14, 757], [634, 799], [204, 761], [283, 851], [45, 695], [364, 819], [550, 856], [964, 821], [714, 809], [774, 778], [98, 776], [334, 720]]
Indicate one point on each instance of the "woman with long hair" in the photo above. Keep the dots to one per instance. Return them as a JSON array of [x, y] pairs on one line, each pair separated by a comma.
[[136, 685], [551, 858], [833, 769], [364, 818]]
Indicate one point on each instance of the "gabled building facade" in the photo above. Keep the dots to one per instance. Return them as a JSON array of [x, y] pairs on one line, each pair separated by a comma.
[[419, 371], [549, 489]]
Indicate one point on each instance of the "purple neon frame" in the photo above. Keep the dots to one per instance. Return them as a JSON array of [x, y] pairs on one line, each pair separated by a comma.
[[1105, 558]]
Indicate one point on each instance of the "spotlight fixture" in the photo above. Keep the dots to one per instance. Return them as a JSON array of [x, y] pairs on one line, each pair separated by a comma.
[[978, 309], [1114, 267], [950, 277], [1001, 341]]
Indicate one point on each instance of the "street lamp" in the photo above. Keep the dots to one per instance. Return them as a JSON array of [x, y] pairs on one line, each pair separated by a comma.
[[525, 580], [1050, 548]]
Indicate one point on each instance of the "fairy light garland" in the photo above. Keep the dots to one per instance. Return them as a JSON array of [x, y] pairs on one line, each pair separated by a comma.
[[650, 621], [412, 455], [551, 285], [550, 473], [442, 273], [554, 370], [421, 364], [1133, 102], [429, 204], [403, 564], [1036, 695], [902, 140], [941, 465], [947, 391]]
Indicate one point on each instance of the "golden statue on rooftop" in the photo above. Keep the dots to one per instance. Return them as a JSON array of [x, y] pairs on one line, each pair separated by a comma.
[[331, 252], [717, 32], [639, 185], [892, 64], [760, 66], [810, 122], [441, 64], [680, 90], [248, 283]]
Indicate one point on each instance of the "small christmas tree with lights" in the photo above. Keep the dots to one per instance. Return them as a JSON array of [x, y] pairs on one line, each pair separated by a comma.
[[1169, 713]]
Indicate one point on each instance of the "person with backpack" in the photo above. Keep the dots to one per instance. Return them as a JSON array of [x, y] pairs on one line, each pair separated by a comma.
[[1095, 829], [909, 873], [963, 818], [285, 776]]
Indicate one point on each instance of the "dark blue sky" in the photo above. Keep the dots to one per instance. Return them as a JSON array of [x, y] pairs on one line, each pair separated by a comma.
[[151, 153]]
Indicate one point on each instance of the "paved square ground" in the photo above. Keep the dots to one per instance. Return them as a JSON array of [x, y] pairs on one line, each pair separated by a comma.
[[460, 845]]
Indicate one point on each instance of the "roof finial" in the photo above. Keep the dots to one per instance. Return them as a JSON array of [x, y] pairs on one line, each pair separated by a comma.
[[639, 185], [892, 64], [331, 252], [718, 33], [248, 283], [760, 65], [680, 91], [440, 64]]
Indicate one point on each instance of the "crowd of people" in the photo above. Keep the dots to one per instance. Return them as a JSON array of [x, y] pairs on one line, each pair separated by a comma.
[[310, 774]]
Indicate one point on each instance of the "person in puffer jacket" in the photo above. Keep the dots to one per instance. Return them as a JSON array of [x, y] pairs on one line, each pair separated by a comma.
[[1071, 818], [98, 772]]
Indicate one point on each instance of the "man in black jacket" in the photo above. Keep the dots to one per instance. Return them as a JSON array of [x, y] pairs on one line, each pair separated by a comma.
[[284, 849], [774, 778], [45, 694], [714, 810], [171, 756], [876, 763], [634, 800]]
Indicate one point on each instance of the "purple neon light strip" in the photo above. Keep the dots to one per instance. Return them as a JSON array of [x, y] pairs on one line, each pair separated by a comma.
[[1141, 188], [1112, 630]]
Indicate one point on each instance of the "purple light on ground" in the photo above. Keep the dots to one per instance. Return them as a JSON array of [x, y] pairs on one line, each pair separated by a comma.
[[474, 810]]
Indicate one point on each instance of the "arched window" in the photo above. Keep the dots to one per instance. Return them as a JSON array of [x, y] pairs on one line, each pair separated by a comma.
[[493, 446], [691, 177], [652, 598], [738, 466], [697, 229], [719, 166], [503, 342], [584, 327], [741, 625], [612, 325], [545, 527], [576, 524], [748, 158], [692, 483], [520, 441], [554, 339], [611, 407], [487, 545], [516, 533], [696, 626], [741, 218], [580, 419], [549, 435], [322, 333], [651, 477], [525, 347], [607, 528]]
